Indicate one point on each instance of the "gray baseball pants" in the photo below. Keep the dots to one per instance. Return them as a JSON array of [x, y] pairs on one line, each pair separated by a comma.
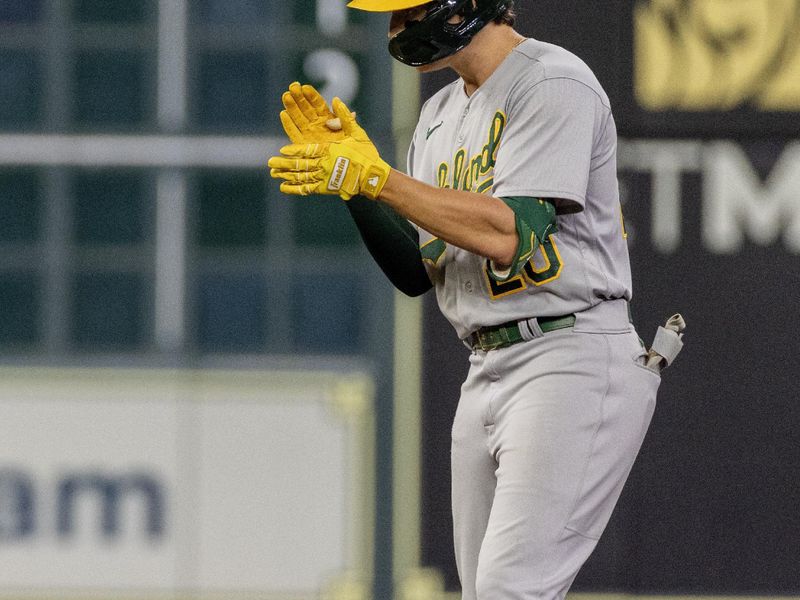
[[544, 437]]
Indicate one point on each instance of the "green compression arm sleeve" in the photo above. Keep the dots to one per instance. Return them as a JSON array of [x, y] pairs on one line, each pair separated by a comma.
[[393, 243], [535, 219]]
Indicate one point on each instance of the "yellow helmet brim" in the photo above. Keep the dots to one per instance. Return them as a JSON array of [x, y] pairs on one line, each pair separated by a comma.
[[385, 5]]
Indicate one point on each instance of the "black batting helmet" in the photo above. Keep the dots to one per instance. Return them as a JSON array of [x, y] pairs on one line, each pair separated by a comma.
[[433, 37]]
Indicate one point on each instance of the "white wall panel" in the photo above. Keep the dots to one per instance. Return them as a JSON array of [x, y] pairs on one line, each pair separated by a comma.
[[169, 483]]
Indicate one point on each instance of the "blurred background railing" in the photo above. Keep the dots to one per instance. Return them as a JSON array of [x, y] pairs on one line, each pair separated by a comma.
[[137, 215], [139, 229]]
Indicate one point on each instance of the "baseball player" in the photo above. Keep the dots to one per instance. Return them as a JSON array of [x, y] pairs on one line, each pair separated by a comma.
[[510, 210]]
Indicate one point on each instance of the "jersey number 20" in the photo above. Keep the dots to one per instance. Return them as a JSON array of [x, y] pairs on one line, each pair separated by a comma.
[[544, 266]]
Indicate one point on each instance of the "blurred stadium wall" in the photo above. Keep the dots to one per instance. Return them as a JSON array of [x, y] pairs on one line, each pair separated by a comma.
[[193, 366]]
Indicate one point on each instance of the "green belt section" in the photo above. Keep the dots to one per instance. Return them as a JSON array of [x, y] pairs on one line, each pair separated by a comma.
[[508, 334]]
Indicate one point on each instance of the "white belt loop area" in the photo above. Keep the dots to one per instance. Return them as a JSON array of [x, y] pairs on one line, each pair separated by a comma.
[[529, 329]]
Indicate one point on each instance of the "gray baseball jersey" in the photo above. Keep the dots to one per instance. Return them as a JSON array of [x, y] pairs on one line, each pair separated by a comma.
[[540, 126], [546, 431]]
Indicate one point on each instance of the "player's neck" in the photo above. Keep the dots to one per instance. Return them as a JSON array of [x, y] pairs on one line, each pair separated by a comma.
[[488, 49]]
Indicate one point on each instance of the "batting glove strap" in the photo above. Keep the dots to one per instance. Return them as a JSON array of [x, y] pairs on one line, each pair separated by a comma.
[[668, 341], [337, 168]]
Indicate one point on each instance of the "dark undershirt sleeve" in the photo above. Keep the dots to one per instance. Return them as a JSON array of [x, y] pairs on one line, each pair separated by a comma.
[[393, 243]]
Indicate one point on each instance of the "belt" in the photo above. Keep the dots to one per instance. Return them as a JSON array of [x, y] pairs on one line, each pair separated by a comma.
[[508, 334]]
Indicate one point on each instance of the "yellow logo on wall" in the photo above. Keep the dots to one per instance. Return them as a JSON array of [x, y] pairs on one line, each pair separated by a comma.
[[700, 55]]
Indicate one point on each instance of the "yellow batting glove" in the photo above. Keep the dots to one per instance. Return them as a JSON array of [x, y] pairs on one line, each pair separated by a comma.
[[337, 168], [306, 118], [345, 168], [353, 130]]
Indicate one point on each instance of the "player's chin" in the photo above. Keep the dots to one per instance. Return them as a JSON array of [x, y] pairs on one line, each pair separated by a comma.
[[436, 65]]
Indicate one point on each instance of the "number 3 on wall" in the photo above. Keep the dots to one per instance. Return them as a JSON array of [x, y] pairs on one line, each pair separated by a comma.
[[543, 267]]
